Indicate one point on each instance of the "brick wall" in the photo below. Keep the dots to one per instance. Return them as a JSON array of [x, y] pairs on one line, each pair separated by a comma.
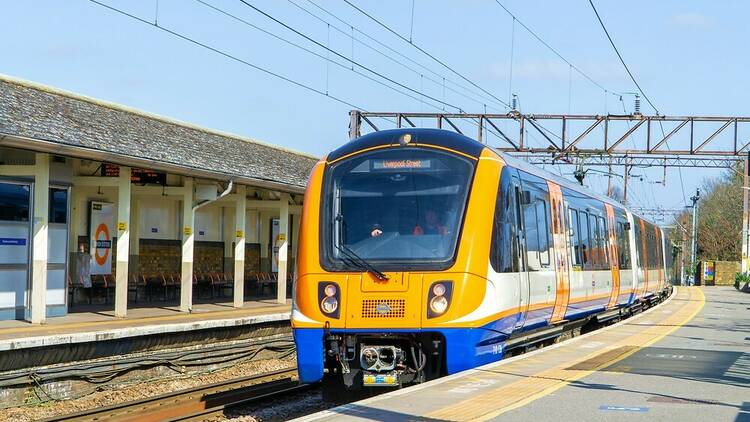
[[252, 257], [160, 256], [725, 271], [208, 257]]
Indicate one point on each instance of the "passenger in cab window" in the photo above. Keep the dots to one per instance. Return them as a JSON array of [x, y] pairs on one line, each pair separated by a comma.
[[376, 230], [432, 225]]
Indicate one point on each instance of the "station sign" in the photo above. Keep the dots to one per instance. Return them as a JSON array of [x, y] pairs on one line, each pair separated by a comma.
[[137, 176], [101, 229]]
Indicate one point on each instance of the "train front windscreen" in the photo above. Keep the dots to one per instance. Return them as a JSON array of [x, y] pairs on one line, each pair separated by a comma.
[[398, 209]]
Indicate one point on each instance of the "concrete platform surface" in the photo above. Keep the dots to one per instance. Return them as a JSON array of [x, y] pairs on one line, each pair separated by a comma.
[[685, 360], [83, 327]]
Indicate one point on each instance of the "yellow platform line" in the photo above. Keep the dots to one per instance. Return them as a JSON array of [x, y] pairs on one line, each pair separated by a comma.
[[520, 393], [145, 321]]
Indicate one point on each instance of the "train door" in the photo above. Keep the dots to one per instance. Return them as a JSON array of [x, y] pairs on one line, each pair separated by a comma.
[[560, 248], [524, 287], [612, 250], [15, 239]]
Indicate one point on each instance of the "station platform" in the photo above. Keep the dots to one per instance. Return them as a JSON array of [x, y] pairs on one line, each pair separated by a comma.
[[687, 359], [89, 326]]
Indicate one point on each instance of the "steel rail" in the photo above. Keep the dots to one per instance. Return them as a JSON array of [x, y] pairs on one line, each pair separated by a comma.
[[182, 404]]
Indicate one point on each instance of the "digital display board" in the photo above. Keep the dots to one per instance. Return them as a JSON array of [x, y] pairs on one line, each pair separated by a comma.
[[417, 163], [137, 176]]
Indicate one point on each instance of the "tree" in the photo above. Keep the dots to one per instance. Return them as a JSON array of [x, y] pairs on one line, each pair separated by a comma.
[[719, 218]]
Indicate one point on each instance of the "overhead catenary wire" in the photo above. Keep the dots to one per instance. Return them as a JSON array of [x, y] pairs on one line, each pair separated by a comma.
[[332, 61], [354, 62], [426, 69], [228, 55], [327, 58], [552, 49], [425, 52], [638, 86], [478, 99], [627, 69]]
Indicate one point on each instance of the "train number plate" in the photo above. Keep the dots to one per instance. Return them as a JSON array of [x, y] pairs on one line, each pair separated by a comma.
[[370, 380]]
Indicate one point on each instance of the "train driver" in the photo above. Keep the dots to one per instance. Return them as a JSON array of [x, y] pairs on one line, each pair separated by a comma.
[[432, 225]]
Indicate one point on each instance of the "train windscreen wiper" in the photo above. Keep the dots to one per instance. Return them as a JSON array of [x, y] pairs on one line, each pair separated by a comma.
[[352, 256], [361, 263]]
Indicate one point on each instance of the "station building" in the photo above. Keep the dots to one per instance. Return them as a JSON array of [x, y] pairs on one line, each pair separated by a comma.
[[101, 203]]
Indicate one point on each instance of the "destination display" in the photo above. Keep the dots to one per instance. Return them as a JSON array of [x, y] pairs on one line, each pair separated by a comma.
[[416, 163], [138, 176]]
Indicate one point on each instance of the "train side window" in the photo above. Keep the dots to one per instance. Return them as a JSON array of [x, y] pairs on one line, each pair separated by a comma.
[[604, 242], [584, 233], [542, 216], [504, 249], [593, 253], [623, 244], [532, 237], [595, 242], [575, 245]]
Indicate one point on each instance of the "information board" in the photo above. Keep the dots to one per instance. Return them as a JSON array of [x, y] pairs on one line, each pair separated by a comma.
[[137, 176]]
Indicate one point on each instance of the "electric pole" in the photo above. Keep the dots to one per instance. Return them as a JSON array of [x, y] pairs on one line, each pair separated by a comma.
[[694, 246], [625, 186]]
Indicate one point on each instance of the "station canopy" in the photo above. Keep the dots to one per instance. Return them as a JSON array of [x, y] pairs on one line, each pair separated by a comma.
[[45, 119]]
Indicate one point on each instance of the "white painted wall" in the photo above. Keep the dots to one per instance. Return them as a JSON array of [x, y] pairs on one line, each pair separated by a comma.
[[158, 217], [208, 223]]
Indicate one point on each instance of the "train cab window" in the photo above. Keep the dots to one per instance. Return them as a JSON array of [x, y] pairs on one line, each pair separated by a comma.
[[575, 240], [394, 208]]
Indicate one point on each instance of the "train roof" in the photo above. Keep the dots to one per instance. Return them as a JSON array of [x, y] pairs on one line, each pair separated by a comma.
[[544, 174], [467, 145], [438, 137]]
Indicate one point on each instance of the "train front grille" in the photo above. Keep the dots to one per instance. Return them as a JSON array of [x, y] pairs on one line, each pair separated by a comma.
[[383, 308]]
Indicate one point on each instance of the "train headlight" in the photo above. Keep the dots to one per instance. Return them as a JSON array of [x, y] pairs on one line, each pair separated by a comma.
[[329, 296], [439, 304], [329, 305], [330, 290], [439, 298]]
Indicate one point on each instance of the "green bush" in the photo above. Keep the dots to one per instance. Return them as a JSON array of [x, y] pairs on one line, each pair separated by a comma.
[[740, 280]]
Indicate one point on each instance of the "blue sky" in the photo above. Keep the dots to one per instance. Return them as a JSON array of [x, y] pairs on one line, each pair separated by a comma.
[[688, 56]]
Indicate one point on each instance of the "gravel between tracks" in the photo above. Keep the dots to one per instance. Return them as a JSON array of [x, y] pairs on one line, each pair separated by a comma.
[[141, 390], [280, 409]]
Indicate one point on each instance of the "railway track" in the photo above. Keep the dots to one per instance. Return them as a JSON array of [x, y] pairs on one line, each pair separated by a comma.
[[197, 403]]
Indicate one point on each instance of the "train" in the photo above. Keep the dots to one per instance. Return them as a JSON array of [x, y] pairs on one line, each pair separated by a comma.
[[423, 252]]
